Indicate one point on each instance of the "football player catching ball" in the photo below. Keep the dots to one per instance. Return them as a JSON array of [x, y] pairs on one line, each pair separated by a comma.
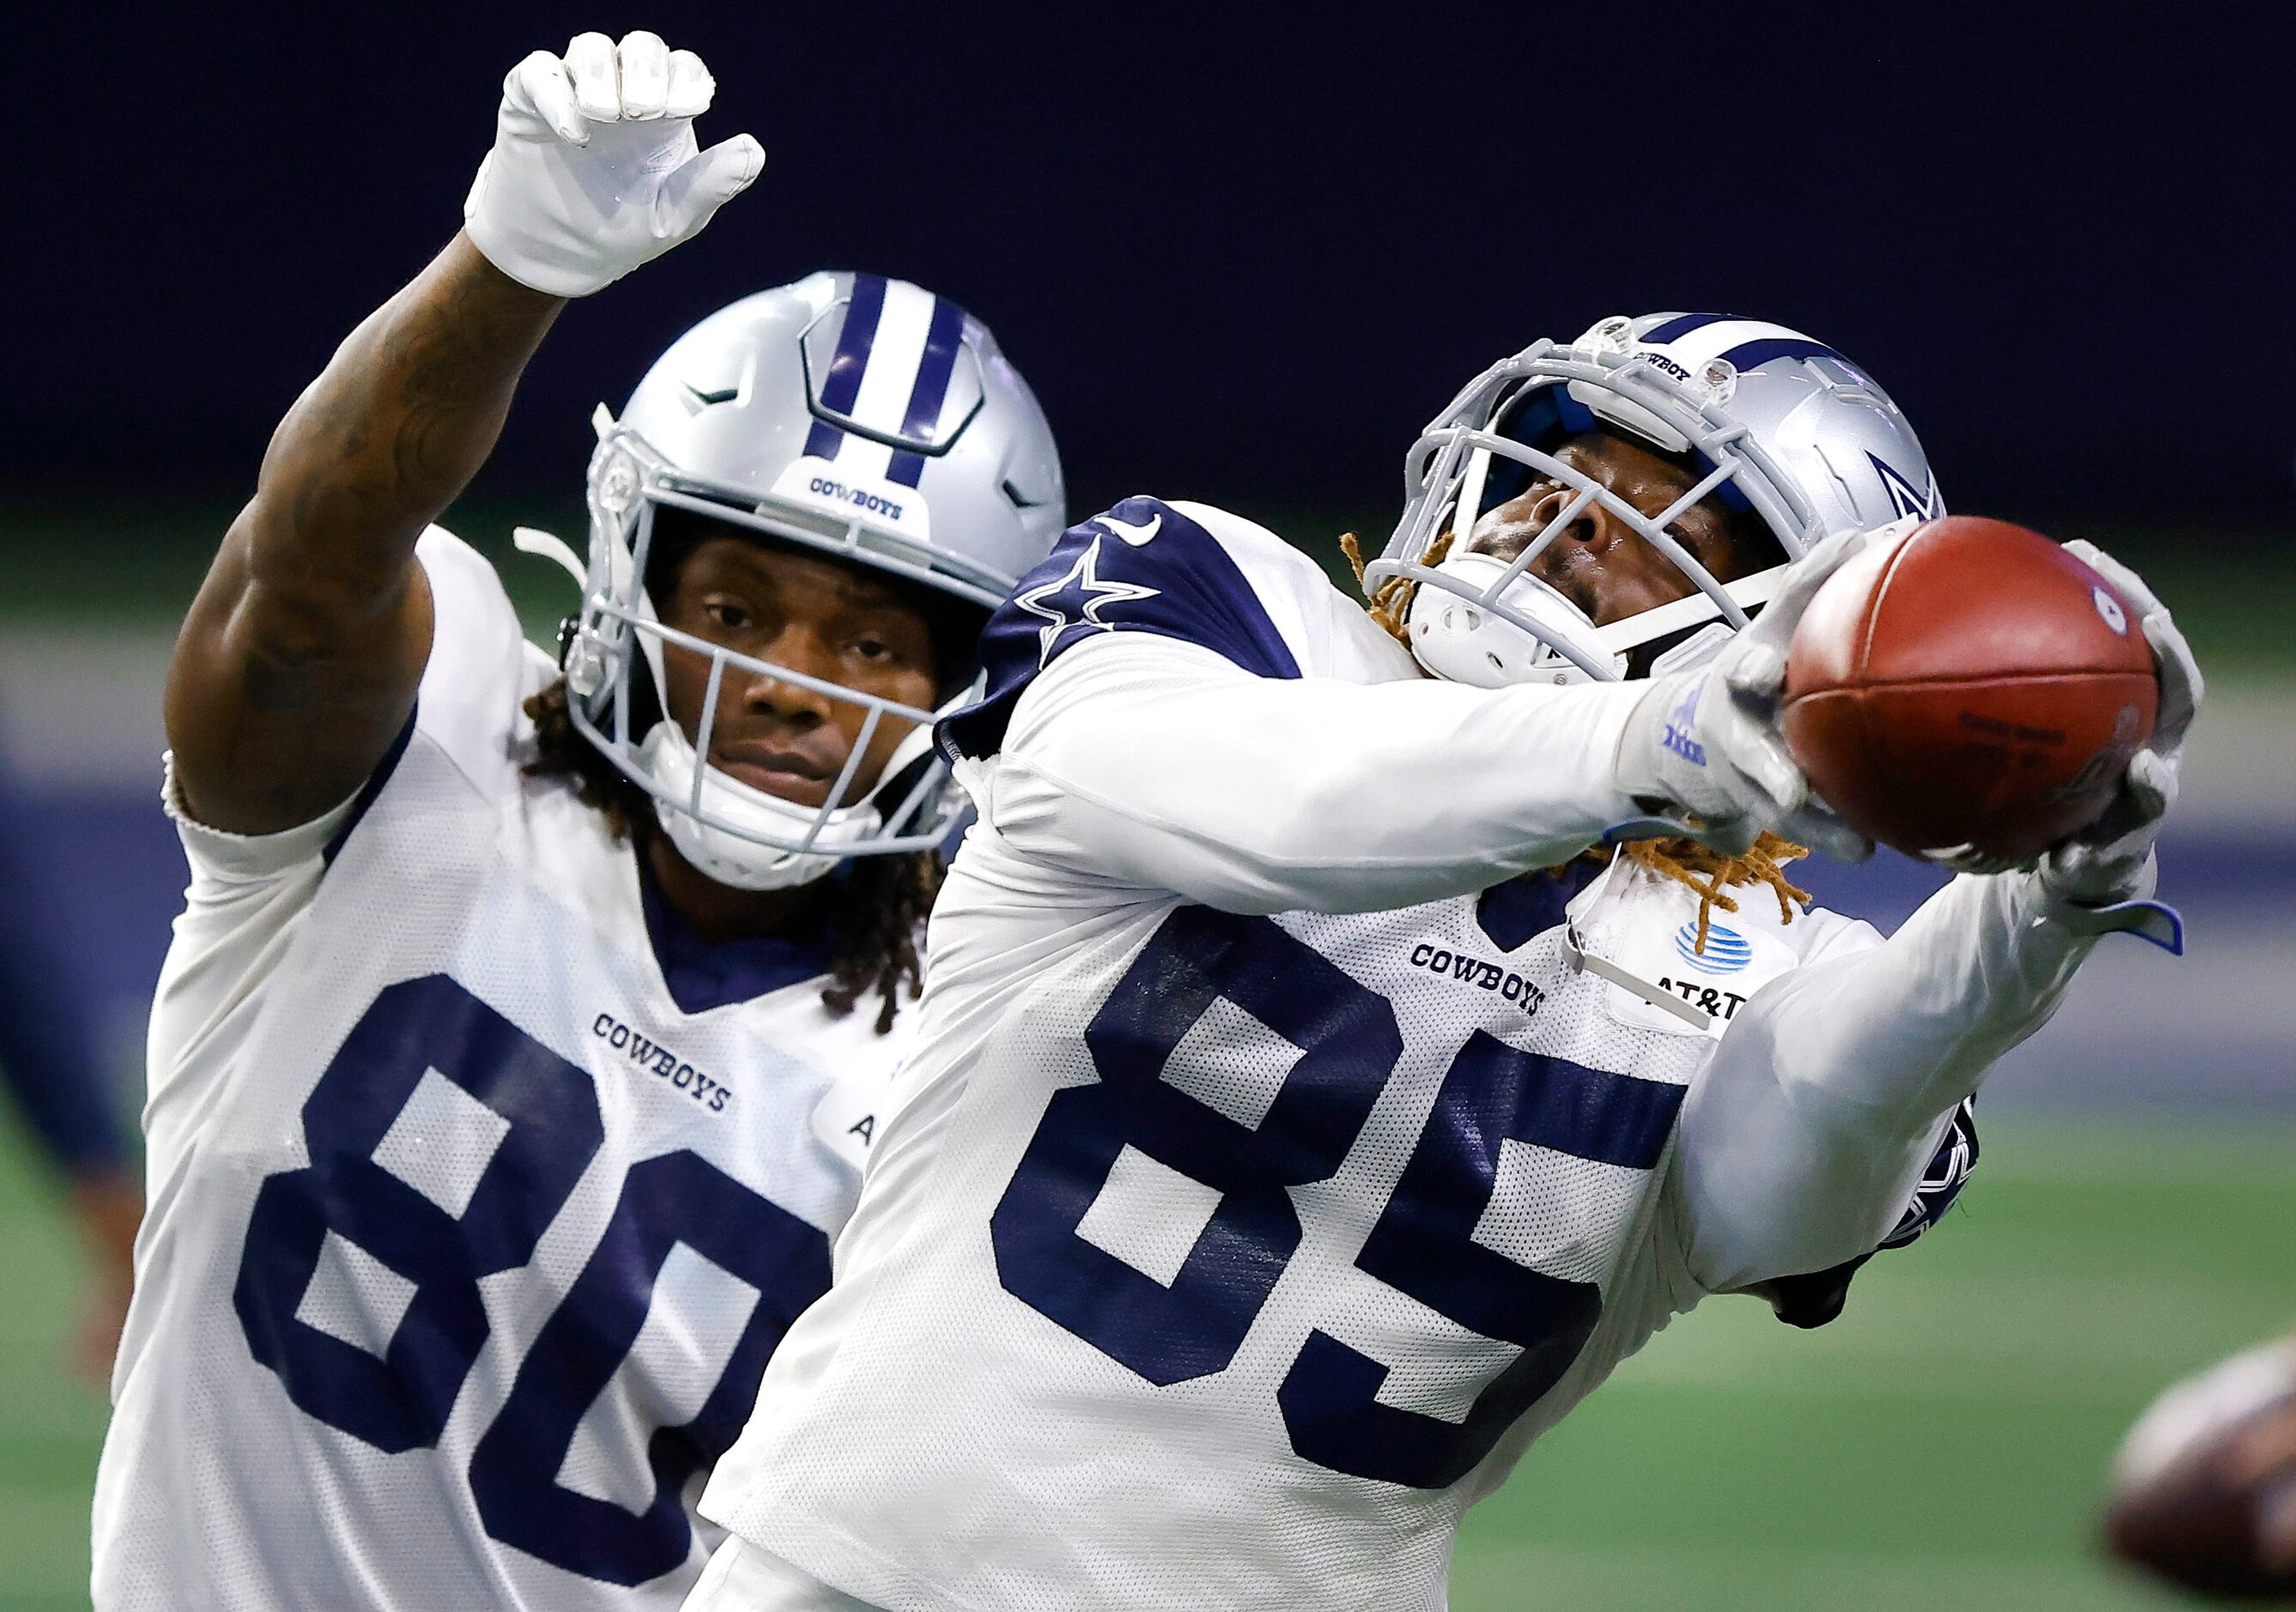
[[1300, 1124], [525, 1029]]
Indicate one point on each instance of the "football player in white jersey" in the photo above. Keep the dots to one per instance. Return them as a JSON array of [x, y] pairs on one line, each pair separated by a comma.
[[506, 1083], [1297, 1130]]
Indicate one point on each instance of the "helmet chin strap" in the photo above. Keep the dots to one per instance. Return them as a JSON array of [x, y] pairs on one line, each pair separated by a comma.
[[723, 839], [737, 858]]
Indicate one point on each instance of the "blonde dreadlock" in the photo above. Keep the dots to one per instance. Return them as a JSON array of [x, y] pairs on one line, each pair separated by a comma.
[[1391, 601], [1709, 872]]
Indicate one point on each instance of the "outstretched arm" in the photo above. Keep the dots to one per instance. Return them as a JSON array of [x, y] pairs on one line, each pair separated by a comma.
[[1828, 1095], [1144, 749], [300, 659], [1158, 764], [1831, 1089]]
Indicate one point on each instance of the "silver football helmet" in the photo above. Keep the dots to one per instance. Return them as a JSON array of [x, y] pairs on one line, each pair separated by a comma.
[[862, 417], [1781, 425]]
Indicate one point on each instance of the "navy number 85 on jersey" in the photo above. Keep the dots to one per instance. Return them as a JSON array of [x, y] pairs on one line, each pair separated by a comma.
[[1423, 1244]]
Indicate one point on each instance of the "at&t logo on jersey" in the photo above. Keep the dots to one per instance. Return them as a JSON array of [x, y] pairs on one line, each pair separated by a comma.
[[1726, 951], [1723, 1005]]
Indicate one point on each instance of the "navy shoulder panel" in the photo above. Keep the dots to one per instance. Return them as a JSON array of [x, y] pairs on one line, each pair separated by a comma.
[[1142, 567]]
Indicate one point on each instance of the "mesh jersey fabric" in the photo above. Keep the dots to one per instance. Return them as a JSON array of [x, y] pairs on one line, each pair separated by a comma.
[[1223, 1260], [932, 1437], [465, 1245]]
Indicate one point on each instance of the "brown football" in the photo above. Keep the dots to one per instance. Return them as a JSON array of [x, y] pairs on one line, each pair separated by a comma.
[[1970, 684], [2204, 1490]]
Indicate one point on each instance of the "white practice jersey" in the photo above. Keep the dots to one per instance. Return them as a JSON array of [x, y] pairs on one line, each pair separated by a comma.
[[1233, 1235], [480, 1190]]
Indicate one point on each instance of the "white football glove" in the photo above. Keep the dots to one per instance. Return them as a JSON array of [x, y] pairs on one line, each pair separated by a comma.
[[2112, 859], [594, 168], [1708, 742]]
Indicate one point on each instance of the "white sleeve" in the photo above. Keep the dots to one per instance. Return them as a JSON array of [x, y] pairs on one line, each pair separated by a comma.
[[1162, 764], [467, 704], [247, 892], [1828, 1094]]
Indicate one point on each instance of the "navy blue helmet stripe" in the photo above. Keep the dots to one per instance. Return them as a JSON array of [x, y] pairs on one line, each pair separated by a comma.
[[842, 385], [1747, 355], [942, 338], [1682, 325], [930, 390]]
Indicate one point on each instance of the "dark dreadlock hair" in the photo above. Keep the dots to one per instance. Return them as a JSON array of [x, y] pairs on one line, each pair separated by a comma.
[[1709, 872], [887, 897]]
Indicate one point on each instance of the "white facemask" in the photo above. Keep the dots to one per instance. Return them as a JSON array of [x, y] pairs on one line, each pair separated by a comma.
[[732, 858], [1459, 639]]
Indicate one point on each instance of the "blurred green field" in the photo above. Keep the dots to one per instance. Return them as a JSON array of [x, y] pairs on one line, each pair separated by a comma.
[[1940, 1446], [1943, 1445]]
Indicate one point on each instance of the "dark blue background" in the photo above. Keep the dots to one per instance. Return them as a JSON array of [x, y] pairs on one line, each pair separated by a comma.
[[1242, 253]]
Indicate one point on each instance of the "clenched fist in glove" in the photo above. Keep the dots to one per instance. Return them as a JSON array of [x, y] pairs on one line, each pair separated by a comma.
[[595, 169]]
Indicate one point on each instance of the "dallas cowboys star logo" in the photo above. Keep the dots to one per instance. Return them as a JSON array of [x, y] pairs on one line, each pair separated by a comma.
[[1077, 599], [1904, 495]]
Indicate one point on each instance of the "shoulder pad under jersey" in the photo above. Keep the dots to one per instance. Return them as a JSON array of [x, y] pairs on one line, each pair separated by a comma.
[[1142, 567]]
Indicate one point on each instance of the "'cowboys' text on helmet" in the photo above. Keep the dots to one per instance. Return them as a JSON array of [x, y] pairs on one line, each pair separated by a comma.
[[853, 415]]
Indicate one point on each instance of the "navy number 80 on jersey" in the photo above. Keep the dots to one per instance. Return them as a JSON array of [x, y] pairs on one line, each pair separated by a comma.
[[429, 1058]]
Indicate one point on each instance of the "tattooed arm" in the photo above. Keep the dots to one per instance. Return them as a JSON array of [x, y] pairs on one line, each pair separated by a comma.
[[298, 663]]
